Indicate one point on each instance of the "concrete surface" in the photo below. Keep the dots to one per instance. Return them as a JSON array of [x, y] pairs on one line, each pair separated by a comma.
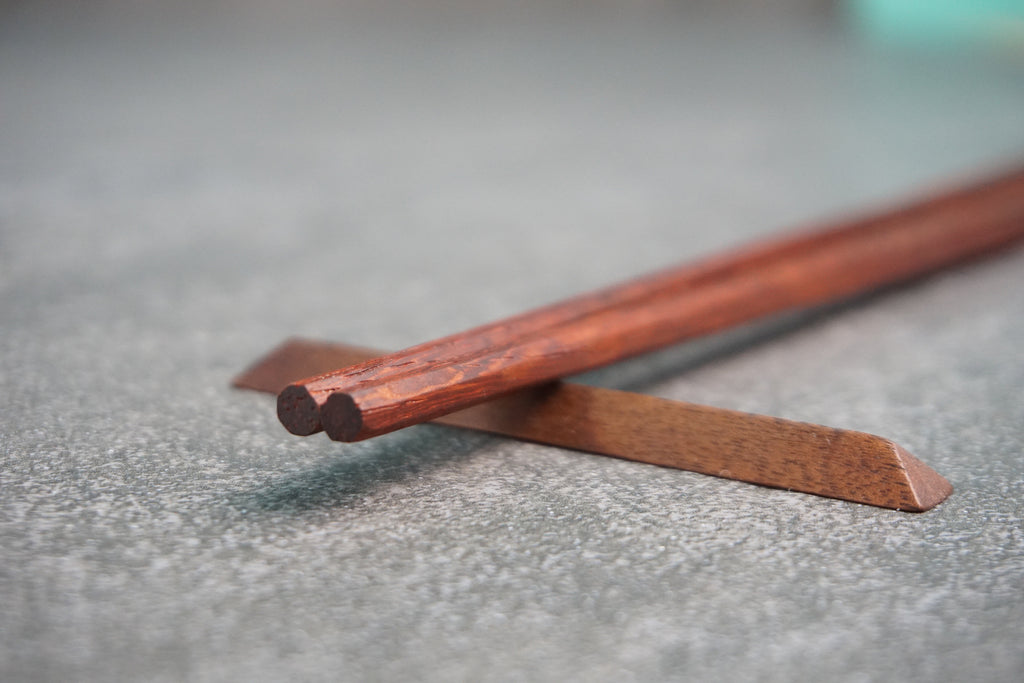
[[181, 189]]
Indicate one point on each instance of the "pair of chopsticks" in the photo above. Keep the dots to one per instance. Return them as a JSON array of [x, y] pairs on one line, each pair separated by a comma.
[[429, 381]]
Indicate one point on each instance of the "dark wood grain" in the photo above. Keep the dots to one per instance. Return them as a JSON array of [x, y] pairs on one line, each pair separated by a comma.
[[762, 450], [801, 270]]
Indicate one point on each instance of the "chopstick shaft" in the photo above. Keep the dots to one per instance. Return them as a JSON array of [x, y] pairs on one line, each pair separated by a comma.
[[793, 272], [300, 407]]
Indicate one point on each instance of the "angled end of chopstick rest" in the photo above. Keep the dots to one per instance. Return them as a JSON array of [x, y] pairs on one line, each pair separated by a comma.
[[924, 489], [814, 459], [878, 472]]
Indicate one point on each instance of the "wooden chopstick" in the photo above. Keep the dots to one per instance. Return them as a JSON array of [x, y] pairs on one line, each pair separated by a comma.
[[762, 450], [300, 409], [792, 272]]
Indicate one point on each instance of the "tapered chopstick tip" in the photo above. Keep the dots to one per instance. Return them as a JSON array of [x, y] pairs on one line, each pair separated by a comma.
[[342, 418], [298, 410]]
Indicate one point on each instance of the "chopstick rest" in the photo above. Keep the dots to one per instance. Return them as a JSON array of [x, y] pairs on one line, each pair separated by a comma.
[[836, 463]]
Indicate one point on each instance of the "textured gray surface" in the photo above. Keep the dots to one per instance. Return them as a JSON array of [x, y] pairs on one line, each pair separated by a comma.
[[179, 192]]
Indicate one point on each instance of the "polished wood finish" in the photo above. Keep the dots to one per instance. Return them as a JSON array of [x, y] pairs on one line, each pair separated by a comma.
[[802, 270], [762, 450]]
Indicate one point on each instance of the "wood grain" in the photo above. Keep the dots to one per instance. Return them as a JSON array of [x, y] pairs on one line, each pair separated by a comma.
[[762, 450], [797, 271], [300, 406]]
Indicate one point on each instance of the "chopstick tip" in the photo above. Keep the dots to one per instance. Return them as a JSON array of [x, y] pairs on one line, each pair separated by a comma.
[[342, 418], [298, 411]]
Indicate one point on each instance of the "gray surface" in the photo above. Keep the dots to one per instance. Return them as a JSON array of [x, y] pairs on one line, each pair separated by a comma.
[[179, 192]]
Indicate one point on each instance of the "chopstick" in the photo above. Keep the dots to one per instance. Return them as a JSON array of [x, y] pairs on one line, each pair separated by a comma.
[[835, 463], [796, 271]]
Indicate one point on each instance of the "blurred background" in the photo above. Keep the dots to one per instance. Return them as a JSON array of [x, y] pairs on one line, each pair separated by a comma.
[[282, 146], [183, 185]]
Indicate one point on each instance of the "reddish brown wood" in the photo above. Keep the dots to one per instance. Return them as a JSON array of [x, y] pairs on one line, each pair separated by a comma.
[[763, 450], [299, 407], [792, 272]]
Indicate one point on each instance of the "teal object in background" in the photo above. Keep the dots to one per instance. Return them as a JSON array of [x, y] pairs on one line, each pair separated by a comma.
[[998, 23]]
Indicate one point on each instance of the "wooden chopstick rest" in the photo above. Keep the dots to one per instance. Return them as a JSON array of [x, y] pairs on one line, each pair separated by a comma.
[[787, 273], [763, 450]]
